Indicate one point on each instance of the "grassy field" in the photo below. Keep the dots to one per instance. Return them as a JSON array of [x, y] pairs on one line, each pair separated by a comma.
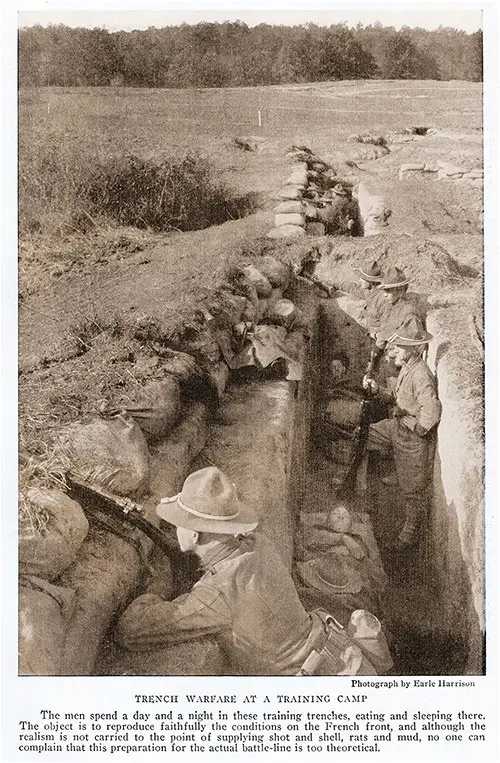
[[102, 273]]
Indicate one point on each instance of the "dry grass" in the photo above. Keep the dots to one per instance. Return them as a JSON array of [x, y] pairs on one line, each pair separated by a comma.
[[142, 288]]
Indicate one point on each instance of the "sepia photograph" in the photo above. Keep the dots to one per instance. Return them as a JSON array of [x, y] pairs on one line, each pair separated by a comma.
[[251, 344]]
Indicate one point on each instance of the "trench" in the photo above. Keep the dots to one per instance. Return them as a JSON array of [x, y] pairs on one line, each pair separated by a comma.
[[270, 436], [267, 435]]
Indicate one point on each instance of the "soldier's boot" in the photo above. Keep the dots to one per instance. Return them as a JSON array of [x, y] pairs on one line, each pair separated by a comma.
[[409, 536]]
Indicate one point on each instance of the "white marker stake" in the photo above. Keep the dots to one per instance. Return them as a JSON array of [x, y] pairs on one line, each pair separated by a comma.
[[260, 119]]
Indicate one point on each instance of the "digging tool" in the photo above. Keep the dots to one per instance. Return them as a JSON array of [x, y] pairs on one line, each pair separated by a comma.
[[128, 514]]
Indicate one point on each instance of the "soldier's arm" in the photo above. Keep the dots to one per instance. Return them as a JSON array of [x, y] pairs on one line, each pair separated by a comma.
[[151, 622], [429, 412]]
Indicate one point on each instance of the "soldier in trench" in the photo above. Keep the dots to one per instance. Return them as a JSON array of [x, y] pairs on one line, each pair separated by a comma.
[[408, 435], [388, 313], [246, 597], [339, 214], [370, 277]]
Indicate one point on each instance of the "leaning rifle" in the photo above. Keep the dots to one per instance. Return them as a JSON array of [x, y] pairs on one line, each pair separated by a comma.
[[362, 430], [97, 500]]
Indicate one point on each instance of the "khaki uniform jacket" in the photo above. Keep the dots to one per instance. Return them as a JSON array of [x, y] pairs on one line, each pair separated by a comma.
[[416, 393], [375, 311], [246, 597], [392, 316]]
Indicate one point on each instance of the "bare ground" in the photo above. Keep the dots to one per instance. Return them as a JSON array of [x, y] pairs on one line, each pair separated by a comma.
[[76, 291]]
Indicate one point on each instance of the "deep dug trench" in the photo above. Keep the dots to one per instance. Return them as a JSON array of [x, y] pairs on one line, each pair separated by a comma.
[[263, 432]]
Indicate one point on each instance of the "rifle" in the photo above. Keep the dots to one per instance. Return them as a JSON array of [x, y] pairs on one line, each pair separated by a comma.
[[362, 430], [93, 498]]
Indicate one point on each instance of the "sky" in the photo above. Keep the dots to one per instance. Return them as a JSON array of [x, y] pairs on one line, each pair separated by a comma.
[[123, 15]]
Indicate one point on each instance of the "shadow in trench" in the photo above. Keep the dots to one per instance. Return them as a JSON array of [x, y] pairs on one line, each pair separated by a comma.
[[428, 603]]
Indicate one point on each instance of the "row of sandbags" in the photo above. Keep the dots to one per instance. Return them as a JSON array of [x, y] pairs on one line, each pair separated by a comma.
[[302, 207], [443, 171], [93, 575]]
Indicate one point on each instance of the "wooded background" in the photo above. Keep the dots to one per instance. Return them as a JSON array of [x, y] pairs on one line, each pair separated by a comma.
[[233, 54]]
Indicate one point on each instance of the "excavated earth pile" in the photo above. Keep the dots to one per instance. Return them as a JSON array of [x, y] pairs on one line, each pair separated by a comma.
[[236, 375]]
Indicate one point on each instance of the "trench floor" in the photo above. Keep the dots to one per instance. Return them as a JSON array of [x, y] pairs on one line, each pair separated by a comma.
[[412, 600]]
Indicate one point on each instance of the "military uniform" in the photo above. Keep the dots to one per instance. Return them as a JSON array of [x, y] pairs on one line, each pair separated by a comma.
[[390, 317], [247, 598], [375, 311], [407, 434]]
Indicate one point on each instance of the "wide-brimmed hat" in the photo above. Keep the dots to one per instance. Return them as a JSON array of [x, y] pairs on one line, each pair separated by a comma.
[[331, 572], [410, 333], [393, 278], [339, 190], [208, 502], [370, 271]]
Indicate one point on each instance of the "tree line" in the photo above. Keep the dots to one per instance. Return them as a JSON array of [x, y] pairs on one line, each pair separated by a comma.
[[233, 54]]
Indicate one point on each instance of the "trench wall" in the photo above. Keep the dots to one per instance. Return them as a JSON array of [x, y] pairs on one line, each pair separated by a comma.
[[453, 555], [456, 519]]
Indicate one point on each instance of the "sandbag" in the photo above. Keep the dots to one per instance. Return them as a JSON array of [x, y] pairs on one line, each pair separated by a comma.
[[289, 208], [310, 212], [376, 140], [290, 192], [244, 287], [48, 547], [287, 231], [42, 629], [282, 313], [180, 365], [204, 348], [315, 229], [226, 307], [297, 178], [276, 272], [261, 283], [250, 312], [157, 408], [449, 169], [112, 453], [289, 220]]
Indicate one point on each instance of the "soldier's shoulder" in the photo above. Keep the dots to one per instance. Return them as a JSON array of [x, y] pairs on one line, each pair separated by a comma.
[[408, 307], [423, 372]]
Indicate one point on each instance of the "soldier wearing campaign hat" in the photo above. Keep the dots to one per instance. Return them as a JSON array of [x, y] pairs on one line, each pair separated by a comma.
[[407, 435], [370, 277], [246, 597], [394, 287]]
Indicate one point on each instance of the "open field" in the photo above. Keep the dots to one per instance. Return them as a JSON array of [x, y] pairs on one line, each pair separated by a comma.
[[100, 304], [108, 275], [93, 271]]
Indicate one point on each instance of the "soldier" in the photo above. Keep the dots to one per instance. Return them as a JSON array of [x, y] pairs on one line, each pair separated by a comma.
[[394, 286], [370, 277], [338, 212], [246, 596], [391, 313], [407, 435]]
